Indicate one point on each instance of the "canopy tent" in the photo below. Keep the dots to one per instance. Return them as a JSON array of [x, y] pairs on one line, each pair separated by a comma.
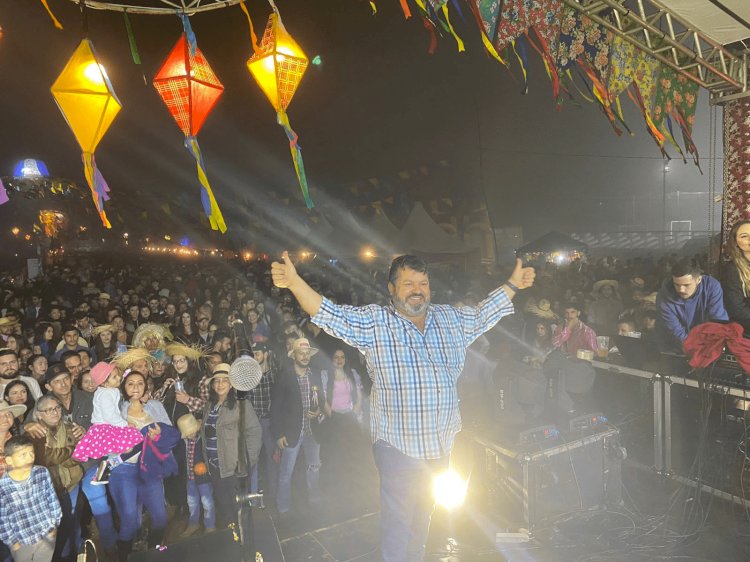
[[424, 236], [553, 246], [724, 21], [385, 237]]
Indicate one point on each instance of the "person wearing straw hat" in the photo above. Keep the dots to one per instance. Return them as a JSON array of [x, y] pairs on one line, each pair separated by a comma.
[[296, 405], [199, 489], [222, 449]]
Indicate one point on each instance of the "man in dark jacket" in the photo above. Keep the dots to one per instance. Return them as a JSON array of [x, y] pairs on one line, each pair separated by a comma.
[[296, 402], [685, 300]]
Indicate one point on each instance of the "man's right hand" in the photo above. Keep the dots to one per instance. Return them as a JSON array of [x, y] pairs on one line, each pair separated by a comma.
[[35, 430], [281, 441], [284, 274]]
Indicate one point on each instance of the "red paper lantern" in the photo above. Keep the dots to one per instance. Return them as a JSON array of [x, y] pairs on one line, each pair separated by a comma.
[[190, 89]]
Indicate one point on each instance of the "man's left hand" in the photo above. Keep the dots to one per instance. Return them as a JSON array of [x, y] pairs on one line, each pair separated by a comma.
[[522, 277]]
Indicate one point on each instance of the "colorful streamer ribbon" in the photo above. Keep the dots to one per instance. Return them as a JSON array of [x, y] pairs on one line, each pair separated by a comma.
[[131, 39], [55, 21], [405, 9], [299, 165], [253, 36], [459, 41], [210, 206], [97, 185], [189, 34]]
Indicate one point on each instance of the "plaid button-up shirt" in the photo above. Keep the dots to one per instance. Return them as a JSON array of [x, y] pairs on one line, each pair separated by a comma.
[[414, 401], [29, 510]]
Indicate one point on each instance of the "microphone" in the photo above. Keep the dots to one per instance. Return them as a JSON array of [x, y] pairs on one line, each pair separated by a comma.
[[245, 373]]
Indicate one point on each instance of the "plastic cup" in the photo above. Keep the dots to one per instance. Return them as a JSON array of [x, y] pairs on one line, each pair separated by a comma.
[[602, 346]]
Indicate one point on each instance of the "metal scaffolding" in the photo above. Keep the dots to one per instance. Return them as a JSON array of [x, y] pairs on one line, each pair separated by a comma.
[[650, 26]]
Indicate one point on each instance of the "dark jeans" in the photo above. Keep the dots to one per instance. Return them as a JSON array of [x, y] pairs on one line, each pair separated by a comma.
[[225, 491], [406, 502]]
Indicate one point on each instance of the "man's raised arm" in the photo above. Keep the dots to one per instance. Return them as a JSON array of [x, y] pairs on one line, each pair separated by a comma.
[[285, 276]]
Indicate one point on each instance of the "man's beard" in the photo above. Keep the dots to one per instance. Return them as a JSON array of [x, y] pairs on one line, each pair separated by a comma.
[[417, 309], [9, 375]]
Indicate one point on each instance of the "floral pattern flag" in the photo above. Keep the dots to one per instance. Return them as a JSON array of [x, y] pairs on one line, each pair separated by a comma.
[[675, 102]]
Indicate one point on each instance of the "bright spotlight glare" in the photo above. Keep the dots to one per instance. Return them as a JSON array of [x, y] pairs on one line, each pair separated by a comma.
[[449, 489]]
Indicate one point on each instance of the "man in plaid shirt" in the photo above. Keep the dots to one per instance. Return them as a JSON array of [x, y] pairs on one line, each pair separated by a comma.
[[415, 352], [29, 510], [260, 398]]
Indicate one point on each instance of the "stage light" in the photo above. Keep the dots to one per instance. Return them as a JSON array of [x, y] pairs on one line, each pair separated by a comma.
[[15, 230], [449, 489]]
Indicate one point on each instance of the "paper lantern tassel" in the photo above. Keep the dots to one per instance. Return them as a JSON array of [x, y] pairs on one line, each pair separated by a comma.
[[210, 206], [299, 165], [97, 185]]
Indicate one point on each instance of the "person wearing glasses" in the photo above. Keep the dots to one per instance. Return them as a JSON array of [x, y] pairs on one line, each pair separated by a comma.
[[54, 451], [222, 447]]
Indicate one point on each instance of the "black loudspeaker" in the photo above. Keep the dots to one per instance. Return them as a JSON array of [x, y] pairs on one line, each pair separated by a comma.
[[219, 545]]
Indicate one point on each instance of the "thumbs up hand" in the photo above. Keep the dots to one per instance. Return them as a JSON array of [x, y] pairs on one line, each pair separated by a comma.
[[283, 273], [522, 277]]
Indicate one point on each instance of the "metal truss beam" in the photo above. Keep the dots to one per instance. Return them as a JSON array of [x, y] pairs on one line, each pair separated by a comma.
[[651, 27]]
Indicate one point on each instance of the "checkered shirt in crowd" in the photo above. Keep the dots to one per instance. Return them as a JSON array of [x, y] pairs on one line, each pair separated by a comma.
[[29, 510]]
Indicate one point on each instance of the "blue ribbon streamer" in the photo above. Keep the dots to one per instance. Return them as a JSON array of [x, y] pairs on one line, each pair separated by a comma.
[[189, 33]]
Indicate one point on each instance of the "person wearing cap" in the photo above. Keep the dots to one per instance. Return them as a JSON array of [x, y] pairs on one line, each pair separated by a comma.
[[78, 405], [260, 398], [222, 446], [297, 403], [415, 351], [9, 371]]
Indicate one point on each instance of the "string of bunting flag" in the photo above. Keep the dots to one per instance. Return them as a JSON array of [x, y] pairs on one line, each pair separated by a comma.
[[583, 59]]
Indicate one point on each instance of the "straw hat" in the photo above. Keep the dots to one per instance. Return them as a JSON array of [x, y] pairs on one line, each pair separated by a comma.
[[5, 321], [102, 328], [599, 285], [542, 309], [192, 353], [149, 330], [125, 359], [188, 425], [17, 410], [302, 344]]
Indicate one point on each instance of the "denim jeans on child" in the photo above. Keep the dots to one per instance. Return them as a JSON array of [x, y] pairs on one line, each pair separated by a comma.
[[201, 495]]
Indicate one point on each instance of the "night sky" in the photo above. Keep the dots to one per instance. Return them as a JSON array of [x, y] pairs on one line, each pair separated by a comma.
[[379, 104]]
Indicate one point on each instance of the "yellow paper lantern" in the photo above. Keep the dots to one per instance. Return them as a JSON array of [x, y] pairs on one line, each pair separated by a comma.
[[278, 65], [89, 104]]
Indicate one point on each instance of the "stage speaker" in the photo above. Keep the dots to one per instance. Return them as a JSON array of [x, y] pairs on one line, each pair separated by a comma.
[[219, 545]]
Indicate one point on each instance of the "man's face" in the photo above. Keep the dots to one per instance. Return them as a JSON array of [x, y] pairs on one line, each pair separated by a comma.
[[133, 311], [260, 356], [153, 304], [225, 345], [71, 338], [171, 309], [411, 292], [103, 303], [302, 357], [572, 314], [686, 285], [35, 301], [8, 366], [125, 298], [203, 322], [73, 365], [60, 386], [54, 314], [83, 323]]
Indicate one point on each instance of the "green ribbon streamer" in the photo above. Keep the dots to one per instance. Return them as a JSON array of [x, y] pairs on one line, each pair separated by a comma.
[[131, 39]]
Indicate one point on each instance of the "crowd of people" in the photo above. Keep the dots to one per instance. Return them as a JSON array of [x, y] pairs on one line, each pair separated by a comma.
[[118, 385], [116, 379]]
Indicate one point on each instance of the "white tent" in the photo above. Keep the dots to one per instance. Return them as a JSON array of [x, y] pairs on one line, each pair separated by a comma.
[[724, 21], [423, 236]]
